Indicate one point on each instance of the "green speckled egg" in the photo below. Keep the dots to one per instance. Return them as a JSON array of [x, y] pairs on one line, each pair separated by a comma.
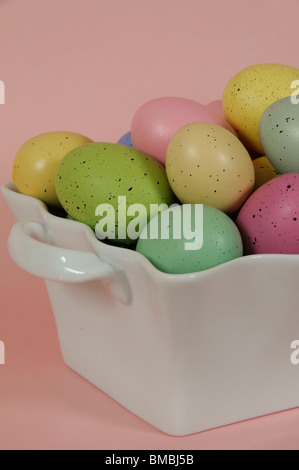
[[197, 240], [249, 93], [107, 173]]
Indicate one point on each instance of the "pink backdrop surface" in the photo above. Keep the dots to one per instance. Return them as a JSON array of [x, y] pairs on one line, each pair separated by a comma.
[[86, 66]]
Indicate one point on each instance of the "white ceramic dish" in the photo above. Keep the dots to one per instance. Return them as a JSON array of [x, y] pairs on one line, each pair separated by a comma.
[[186, 353]]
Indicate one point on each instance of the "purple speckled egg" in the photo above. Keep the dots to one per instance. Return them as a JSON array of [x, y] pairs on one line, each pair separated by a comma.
[[269, 220], [126, 139]]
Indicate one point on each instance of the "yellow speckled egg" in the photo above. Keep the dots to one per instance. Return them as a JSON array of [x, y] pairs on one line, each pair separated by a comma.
[[264, 171], [36, 162], [207, 164], [249, 93]]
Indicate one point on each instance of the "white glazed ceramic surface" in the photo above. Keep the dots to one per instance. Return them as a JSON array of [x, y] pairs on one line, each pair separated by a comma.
[[184, 352]]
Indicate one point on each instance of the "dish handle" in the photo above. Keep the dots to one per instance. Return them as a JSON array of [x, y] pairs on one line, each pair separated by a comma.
[[31, 248]]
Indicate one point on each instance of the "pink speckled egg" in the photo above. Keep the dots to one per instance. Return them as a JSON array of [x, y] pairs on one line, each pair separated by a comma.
[[217, 106], [269, 220], [156, 122]]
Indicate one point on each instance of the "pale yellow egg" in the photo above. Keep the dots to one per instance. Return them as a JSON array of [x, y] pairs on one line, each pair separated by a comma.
[[249, 93], [36, 162]]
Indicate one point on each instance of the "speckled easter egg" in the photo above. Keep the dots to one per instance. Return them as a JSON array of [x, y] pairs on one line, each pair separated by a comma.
[[269, 220], [207, 164], [217, 106], [190, 238], [264, 171], [126, 139], [156, 121], [102, 180], [249, 93], [37, 160], [279, 134]]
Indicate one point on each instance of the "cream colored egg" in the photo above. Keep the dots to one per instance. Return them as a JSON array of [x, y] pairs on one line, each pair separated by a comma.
[[249, 93], [207, 164]]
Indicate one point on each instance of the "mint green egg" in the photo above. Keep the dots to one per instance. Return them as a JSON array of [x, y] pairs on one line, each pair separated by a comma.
[[100, 173], [191, 238]]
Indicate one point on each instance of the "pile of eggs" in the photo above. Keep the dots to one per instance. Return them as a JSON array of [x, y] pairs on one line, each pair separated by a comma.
[[236, 158]]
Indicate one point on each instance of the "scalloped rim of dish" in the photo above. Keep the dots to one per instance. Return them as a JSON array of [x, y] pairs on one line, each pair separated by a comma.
[[141, 259]]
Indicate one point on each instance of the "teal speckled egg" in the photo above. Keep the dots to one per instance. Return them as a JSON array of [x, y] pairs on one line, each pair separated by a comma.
[[190, 238], [115, 175], [279, 134]]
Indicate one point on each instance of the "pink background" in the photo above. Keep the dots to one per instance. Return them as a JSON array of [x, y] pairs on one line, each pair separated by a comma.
[[86, 66]]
